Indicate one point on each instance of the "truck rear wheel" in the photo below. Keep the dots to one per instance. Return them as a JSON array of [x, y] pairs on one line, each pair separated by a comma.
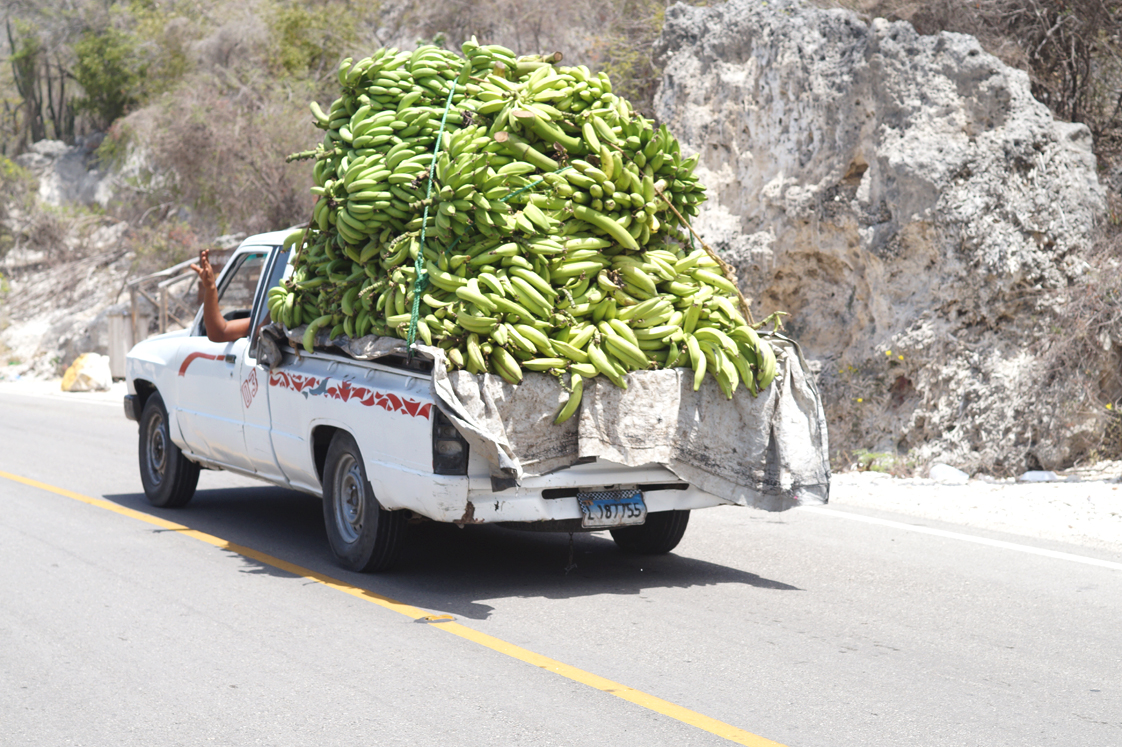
[[364, 536], [169, 478], [660, 534]]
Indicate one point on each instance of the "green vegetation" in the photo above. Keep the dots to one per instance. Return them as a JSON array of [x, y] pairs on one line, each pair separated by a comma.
[[109, 70], [626, 51], [16, 186], [307, 42], [883, 462], [43, 114], [163, 36]]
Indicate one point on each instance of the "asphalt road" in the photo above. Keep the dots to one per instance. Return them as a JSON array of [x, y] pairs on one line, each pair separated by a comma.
[[805, 627]]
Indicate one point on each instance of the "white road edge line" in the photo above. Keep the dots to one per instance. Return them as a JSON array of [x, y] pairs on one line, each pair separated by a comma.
[[966, 538], [64, 398]]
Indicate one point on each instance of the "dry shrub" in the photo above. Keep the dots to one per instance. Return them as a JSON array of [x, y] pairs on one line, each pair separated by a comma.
[[223, 141], [17, 196], [615, 36], [526, 27], [237, 43], [42, 234], [48, 229], [163, 244], [45, 234], [1085, 344]]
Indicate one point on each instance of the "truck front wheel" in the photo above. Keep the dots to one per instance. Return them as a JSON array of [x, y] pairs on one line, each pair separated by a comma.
[[660, 534], [364, 536], [169, 478]]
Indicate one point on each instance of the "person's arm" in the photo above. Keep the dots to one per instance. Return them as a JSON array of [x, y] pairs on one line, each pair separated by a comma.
[[217, 328]]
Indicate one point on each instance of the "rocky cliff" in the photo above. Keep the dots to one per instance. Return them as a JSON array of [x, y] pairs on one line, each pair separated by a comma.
[[68, 174], [910, 204]]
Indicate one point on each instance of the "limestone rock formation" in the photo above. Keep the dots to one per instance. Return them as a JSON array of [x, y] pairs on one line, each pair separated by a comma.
[[909, 203], [68, 174]]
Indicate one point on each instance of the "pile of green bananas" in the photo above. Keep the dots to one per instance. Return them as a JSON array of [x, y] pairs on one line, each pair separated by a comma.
[[546, 234]]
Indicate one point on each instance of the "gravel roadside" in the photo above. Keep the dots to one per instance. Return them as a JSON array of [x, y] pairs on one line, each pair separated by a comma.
[[1084, 507]]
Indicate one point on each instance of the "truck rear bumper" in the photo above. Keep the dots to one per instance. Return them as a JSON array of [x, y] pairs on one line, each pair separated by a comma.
[[524, 505], [545, 498]]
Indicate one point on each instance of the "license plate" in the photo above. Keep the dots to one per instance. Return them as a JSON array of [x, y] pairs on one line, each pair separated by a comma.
[[612, 508]]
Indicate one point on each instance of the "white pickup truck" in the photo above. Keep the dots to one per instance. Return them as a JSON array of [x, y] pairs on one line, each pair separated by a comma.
[[366, 436]]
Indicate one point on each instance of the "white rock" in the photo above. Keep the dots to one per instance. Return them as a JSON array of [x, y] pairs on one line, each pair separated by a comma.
[[90, 373], [108, 236], [229, 240], [50, 148], [947, 475], [1039, 475], [65, 175]]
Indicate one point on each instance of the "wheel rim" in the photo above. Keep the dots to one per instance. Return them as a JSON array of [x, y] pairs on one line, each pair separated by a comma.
[[350, 503], [157, 448]]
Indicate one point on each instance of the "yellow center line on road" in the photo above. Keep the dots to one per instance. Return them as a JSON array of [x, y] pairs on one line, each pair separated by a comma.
[[630, 694]]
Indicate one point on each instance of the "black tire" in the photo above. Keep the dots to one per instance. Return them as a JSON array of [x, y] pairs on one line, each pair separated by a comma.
[[364, 536], [169, 478], [659, 535]]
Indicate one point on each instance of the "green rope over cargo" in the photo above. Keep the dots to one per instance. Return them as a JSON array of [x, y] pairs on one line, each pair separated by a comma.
[[422, 276], [422, 281]]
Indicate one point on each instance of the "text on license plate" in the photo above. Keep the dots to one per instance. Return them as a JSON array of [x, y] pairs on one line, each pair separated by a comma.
[[612, 508]]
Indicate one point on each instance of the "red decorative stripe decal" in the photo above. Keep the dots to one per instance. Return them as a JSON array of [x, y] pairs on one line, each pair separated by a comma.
[[295, 382], [343, 390], [192, 356]]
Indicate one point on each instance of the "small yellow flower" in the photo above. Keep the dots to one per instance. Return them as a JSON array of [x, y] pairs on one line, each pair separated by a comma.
[[888, 353], [1109, 406], [860, 400], [901, 356]]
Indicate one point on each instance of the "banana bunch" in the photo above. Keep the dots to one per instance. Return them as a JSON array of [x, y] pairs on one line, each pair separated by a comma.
[[522, 215]]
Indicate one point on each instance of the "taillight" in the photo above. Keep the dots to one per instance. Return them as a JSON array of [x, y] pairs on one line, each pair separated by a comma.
[[449, 449]]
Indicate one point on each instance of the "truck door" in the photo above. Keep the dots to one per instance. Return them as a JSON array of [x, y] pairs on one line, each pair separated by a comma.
[[254, 386], [209, 404]]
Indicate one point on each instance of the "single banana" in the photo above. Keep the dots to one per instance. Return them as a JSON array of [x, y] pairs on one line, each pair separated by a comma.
[[576, 383], [767, 365], [506, 365], [697, 361], [309, 338]]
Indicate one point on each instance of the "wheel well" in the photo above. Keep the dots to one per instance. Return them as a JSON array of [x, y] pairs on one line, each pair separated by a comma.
[[321, 440], [144, 390]]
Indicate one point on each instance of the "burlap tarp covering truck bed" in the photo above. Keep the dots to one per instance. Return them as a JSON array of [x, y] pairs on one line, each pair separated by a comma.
[[770, 451]]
